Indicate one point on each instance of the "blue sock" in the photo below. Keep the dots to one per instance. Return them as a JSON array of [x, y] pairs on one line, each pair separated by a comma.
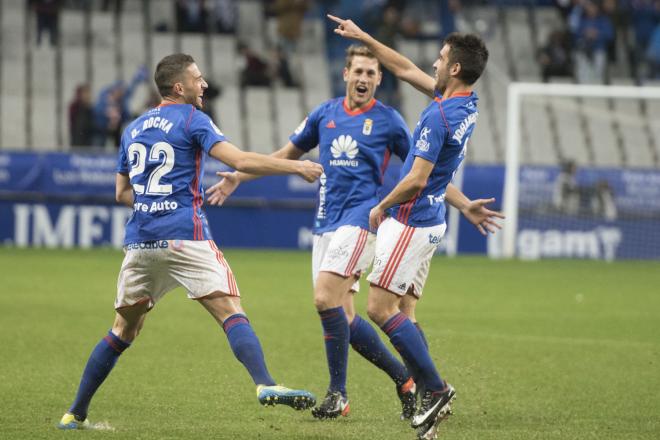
[[336, 334], [421, 333], [407, 340], [100, 363], [245, 345], [366, 341], [414, 371]]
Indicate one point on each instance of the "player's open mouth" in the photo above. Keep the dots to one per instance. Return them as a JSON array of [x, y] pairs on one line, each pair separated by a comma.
[[361, 90]]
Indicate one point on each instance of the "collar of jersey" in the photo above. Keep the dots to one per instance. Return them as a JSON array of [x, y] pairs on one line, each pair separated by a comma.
[[358, 111], [166, 104], [438, 98]]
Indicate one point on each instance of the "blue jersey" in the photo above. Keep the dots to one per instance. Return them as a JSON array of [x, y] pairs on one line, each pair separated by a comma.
[[440, 137], [163, 153], [354, 149]]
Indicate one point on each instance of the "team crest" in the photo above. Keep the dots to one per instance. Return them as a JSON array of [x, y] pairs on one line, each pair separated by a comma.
[[366, 128]]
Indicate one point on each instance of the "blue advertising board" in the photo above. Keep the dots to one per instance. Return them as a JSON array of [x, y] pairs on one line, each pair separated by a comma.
[[67, 200]]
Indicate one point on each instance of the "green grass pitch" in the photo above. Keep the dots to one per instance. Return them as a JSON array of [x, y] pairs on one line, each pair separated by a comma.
[[536, 350]]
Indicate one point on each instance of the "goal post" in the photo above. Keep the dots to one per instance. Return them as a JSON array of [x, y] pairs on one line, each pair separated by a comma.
[[515, 122]]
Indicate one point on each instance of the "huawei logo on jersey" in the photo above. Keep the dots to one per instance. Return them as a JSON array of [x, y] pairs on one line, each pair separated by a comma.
[[347, 146]]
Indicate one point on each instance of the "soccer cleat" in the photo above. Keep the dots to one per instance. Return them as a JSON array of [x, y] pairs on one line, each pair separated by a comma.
[[69, 421], [408, 396], [270, 395], [429, 431], [433, 403], [333, 406]]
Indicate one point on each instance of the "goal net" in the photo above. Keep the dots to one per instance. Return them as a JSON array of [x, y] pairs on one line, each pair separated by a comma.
[[582, 172]]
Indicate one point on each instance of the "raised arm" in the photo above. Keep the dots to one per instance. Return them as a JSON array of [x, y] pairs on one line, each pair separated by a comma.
[[393, 61], [218, 193]]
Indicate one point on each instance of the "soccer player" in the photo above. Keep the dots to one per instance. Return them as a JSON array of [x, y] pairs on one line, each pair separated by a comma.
[[408, 237], [168, 242], [356, 135]]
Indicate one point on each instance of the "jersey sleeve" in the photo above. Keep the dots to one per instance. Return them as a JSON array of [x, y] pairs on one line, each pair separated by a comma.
[[203, 131], [432, 137], [122, 158], [306, 136], [400, 138]]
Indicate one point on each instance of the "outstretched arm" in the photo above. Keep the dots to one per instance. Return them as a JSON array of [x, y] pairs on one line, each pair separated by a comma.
[[262, 165], [218, 193], [393, 61], [474, 210]]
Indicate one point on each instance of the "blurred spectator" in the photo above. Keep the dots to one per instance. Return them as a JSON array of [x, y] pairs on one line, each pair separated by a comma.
[[602, 201], [390, 27], [81, 118], [283, 69], [48, 18], [448, 10], [225, 13], [211, 93], [593, 33], [653, 54], [153, 100], [115, 5], [555, 57], [566, 194], [644, 17], [611, 10], [290, 15], [564, 7], [190, 16], [255, 71], [112, 109]]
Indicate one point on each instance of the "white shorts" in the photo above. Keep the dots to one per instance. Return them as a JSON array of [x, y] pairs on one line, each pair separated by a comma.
[[346, 251], [152, 269], [403, 256]]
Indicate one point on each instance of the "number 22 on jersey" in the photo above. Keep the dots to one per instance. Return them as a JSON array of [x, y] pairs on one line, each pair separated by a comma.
[[163, 154]]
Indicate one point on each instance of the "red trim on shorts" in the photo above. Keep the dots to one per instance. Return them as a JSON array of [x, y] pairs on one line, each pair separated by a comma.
[[396, 257], [231, 281], [357, 252]]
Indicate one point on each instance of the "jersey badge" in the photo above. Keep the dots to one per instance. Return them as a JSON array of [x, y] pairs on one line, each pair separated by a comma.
[[366, 128], [331, 124]]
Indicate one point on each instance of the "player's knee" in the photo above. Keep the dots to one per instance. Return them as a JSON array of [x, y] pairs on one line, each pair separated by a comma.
[[126, 334], [376, 313], [322, 300]]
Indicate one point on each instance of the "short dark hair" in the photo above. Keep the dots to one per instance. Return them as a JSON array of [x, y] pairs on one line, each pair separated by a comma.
[[358, 50], [169, 71], [470, 51]]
